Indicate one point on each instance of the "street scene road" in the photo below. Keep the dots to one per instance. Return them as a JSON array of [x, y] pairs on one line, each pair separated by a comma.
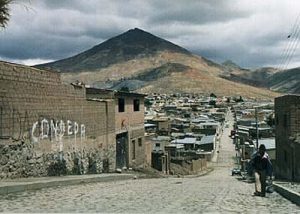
[[216, 192]]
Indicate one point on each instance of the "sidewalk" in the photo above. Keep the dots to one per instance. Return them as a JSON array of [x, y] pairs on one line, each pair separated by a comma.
[[24, 184], [290, 191]]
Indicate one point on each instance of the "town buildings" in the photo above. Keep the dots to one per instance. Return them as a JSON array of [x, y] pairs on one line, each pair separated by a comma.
[[186, 130], [253, 126], [51, 128]]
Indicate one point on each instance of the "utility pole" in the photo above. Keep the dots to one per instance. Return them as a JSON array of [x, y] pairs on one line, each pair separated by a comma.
[[256, 120]]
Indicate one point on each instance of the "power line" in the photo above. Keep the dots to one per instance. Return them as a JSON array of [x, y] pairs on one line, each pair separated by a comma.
[[291, 45], [286, 52], [294, 47]]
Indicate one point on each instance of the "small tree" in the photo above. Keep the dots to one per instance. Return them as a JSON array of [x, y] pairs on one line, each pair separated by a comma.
[[240, 99], [4, 12], [147, 103], [213, 95], [125, 89]]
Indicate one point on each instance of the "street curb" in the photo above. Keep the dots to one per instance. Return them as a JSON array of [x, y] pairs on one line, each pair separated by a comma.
[[287, 193], [63, 181]]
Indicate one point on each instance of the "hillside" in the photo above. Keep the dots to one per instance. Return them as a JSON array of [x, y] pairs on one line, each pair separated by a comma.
[[143, 62], [257, 78], [287, 81]]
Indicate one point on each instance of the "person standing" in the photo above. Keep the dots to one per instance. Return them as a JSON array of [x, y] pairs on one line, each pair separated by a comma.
[[262, 168]]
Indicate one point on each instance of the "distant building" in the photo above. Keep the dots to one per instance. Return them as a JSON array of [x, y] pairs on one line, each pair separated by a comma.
[[208, 143], [208, 128], [287, 122]]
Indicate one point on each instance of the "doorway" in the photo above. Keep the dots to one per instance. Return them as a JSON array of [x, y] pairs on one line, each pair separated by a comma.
[[121, 150]]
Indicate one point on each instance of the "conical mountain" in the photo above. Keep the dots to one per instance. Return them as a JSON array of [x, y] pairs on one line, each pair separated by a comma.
[[146, 63], [132, 44]]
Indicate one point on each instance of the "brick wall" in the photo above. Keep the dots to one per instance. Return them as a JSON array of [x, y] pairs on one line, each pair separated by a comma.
[[129, 118], [132, 122], [44, 122], [287, 120]]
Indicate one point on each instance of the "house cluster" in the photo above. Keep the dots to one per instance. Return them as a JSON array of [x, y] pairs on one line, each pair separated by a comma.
[[277, 126], [253, 125], [183, 129]]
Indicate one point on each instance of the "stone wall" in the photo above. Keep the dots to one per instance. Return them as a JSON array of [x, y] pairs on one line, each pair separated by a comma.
[[48, 128]]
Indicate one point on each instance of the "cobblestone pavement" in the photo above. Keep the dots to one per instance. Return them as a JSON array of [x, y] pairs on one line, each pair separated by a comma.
[[217, 192]]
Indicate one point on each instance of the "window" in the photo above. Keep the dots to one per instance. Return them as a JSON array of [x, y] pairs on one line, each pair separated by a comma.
[[140, 141], [121, 103], [133, 149], [136, 105]]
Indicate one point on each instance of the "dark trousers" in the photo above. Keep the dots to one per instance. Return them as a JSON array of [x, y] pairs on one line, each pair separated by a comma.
[[260, 181]]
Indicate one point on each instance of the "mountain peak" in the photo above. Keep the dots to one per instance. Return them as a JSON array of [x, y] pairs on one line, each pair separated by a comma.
[[230, 63], [136, 30], [132, 44]]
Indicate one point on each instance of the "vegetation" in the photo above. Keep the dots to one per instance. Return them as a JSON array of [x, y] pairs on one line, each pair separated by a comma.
[[213, 95], [240, 99], [125, 89], [4, 12]]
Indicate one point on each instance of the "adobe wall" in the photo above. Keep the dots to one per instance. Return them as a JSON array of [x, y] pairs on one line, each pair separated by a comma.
[[287, 121], [48, 128], [129, 118], [132, 122]]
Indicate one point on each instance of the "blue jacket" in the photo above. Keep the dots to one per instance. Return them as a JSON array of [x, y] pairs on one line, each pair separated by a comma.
[[261, 163]]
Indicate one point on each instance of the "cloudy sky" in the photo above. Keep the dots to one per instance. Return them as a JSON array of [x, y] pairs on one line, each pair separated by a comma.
[[252, 33]]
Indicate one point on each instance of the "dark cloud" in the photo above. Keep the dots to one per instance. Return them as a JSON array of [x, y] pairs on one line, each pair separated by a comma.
[[249, 32], [78, 5], [199, 12], [35, 46]]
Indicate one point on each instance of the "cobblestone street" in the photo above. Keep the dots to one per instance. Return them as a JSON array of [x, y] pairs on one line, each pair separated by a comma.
[[216, 192]]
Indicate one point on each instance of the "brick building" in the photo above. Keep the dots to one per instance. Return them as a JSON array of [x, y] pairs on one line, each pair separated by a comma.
[[49, 128], [287, 120], [129, 125]]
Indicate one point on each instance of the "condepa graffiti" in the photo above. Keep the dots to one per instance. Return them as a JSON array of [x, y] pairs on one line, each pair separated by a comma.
[[55, 130]]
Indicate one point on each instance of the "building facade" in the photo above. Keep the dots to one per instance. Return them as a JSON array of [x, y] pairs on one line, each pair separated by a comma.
[[129, 125], [50, 128], [287, 120]]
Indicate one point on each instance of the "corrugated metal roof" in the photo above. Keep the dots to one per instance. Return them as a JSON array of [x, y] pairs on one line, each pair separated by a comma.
[[187, 140], [207, 139]]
